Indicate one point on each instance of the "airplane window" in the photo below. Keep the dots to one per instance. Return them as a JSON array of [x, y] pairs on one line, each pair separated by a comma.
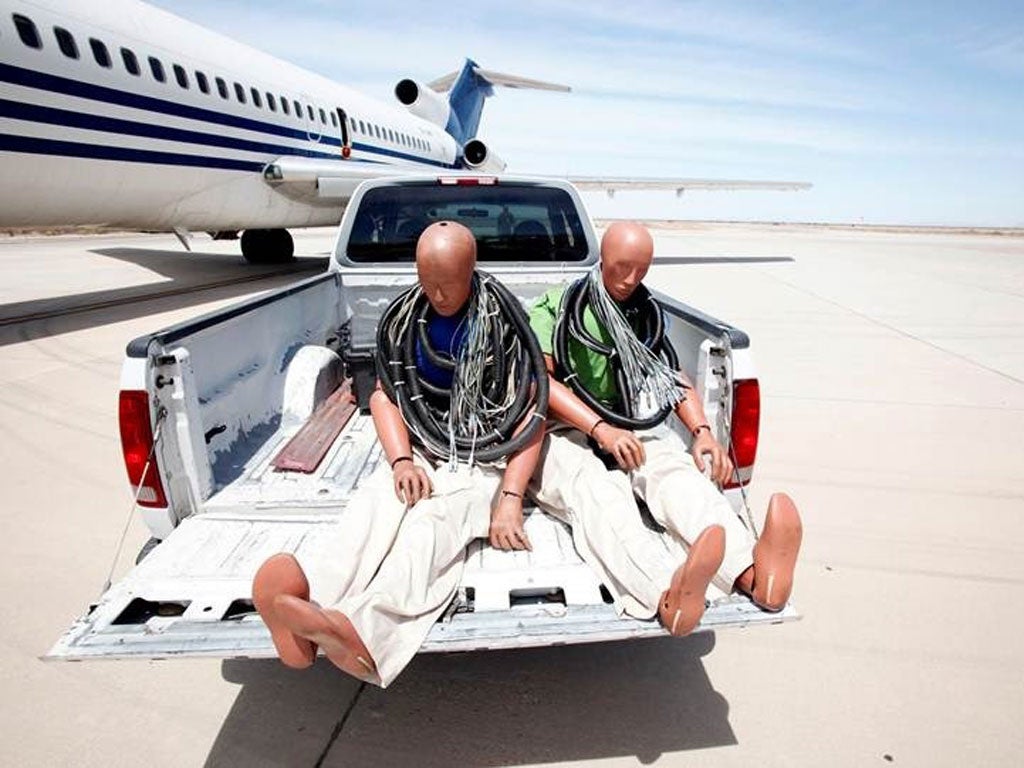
[[66, 42], [362, 127], [284, 105], [202, 82], [323, 117], [309, 111], [222, 87], [334, 120], [256, 100], [180, 76], [376, 129], [157, 69], [271, 102], [298, 109], [27, 31], [100, 52], [131, 63], [240, 93]]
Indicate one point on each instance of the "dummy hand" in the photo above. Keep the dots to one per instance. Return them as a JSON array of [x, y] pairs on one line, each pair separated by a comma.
[[507, 524], [721, 467], [411, 483], [622, 444]]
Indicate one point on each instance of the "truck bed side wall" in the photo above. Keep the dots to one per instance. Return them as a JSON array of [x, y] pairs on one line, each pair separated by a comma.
[[237, 359]]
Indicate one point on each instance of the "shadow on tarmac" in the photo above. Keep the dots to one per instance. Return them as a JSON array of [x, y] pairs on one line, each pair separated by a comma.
[[582, 702], [227, 275]]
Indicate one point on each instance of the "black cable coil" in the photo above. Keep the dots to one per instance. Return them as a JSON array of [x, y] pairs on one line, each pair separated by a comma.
[[424, 406], [646, 317]]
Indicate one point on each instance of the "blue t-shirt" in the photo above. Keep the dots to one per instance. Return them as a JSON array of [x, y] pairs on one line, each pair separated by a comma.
[[446, 335]]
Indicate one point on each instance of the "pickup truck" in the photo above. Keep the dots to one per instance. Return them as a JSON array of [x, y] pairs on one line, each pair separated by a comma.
[[208, 408]]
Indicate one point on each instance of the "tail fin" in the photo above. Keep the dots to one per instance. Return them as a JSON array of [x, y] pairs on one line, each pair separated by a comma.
[[469, 87]]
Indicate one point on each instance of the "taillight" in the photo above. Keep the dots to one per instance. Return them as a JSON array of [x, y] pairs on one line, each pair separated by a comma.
[[136, 444], [746, 415]]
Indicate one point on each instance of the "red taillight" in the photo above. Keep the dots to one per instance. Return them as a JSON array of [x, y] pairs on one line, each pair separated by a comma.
[[746, 415], [136, 444]]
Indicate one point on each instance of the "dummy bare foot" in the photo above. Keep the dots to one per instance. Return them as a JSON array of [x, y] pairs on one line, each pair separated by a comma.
[[775, 554], [282, 575], [682, 604], [332, 631]]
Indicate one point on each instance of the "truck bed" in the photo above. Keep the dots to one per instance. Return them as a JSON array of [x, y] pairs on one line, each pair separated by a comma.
[[192, 595]]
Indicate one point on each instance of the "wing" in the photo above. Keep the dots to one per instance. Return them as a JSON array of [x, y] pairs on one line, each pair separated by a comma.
[[611, 184], [307, 179]]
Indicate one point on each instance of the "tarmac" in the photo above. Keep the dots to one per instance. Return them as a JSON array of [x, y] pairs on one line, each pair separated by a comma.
[[892, 380]]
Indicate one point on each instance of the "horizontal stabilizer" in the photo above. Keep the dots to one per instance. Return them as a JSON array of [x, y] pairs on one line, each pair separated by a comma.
[[442, 84]]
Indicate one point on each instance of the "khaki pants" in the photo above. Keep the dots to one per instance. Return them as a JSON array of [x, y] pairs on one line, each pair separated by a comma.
[[395, 570], [636, 564]]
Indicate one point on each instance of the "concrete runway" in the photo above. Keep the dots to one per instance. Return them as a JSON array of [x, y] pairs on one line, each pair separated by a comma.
[[892, 376]]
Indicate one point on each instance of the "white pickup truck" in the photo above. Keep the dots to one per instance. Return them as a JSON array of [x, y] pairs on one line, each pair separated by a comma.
[[208, 406]]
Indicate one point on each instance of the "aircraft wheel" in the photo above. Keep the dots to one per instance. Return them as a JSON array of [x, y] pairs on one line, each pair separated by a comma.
[[267, 246]]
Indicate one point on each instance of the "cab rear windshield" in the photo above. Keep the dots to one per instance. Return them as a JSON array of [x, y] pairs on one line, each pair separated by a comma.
[[511, 223]]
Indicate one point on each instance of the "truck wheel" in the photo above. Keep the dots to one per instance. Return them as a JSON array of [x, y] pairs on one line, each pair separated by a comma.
[[148, 547], [267, 246]]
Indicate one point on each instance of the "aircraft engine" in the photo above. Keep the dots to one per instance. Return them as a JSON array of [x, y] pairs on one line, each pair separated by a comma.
[[423, 101], [480, 158]]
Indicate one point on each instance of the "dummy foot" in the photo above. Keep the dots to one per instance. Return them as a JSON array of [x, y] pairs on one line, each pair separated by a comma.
[[282, 575], [775, 554], [682, 604], [332, 631]]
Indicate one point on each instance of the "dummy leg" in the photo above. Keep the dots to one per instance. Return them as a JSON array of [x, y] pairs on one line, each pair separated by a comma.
[[683, 603], [573, 485], [769, 581], [373, 634], [282, 575], [342, 563], [686, 503]]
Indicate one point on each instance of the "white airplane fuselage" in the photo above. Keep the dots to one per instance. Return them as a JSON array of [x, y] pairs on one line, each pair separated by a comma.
[[84, 141]]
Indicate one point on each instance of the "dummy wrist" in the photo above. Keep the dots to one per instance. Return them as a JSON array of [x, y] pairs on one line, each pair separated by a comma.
[[696, 430], [597, 424], [400, 458], [512, 493]]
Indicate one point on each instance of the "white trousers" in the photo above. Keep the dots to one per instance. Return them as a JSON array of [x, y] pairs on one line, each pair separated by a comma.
[[635, 563], [683, 501], [393, 571]]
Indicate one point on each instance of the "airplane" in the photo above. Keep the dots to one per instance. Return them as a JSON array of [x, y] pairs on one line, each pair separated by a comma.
[[123, 115]]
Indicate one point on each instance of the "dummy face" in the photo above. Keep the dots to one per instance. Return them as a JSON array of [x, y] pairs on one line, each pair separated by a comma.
[[445, 259], [626, 253]]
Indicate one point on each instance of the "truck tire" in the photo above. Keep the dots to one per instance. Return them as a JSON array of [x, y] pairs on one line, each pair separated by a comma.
[[267, 246]]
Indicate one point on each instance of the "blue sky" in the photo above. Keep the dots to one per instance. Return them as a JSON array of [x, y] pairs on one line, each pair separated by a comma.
[[898, 112]]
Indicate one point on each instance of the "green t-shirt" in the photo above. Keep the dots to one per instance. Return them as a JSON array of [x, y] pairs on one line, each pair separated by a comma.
[[594, 371]]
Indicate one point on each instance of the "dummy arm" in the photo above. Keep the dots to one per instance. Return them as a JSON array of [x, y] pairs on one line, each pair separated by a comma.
[[506, 530], [411, 481], [620, 443], [691, 412]]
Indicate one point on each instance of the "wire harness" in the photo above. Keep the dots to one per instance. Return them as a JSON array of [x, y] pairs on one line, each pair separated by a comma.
[[499, 393], [644, 363]]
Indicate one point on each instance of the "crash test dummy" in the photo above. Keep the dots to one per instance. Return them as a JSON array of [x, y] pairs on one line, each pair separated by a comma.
[[459, 454], [604, 336]]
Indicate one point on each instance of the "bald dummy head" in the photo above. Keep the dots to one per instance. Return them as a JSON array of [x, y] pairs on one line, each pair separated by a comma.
[[627, 250], [445, 260]]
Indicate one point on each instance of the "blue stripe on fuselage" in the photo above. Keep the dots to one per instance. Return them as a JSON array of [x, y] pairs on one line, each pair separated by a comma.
[[40, 80]]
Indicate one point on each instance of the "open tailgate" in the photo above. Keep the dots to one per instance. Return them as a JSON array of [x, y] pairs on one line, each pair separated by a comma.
[[191, 595]]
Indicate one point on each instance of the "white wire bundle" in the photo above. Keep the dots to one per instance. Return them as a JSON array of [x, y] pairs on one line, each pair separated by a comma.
[[472, 412], [656, 384]]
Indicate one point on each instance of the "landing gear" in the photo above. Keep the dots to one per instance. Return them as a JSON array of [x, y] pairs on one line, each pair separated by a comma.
[[267, 246]]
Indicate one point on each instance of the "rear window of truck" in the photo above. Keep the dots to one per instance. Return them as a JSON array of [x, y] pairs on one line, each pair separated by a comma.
[[513, 223]]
